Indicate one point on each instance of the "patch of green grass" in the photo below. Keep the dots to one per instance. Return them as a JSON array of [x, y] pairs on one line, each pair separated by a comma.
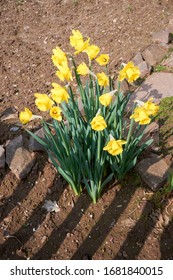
[[159, 68], [165, 120], [75, 2], [20, 2], [170, 49], [130, 8]]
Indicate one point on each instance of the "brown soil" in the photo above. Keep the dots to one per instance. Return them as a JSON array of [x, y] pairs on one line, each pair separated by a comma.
[[129, 221]]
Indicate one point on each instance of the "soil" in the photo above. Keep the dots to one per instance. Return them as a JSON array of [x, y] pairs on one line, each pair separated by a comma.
[[129, 221]]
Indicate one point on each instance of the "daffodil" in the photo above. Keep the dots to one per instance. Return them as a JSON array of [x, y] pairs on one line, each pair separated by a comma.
[[92, 51], [130, 72], [43, 101], [64, 72], [98, 123], [77, 41], [59, 94], [105, 99], [83, 69], [143, 112], [58, 57], [140, 115], [25, 116], [75, 38], [81, 46], [55, 113], [114, 147], [103, 59], [103, 79], [151, 108]]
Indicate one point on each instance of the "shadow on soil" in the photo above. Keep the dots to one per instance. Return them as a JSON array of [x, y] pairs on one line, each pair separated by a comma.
[[132, 245]]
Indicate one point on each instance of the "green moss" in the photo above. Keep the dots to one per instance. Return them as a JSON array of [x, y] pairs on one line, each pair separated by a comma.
[[159, 68], [165, 120]]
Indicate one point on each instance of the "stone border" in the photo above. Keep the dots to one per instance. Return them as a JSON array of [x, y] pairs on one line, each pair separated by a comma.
[[155, 52]]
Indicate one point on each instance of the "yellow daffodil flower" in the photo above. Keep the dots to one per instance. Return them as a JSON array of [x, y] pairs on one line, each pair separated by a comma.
[[103, 59], [114, 147], [105, 99], [59, 94], [55, 113], [98, 123], [25, 116], [83, 69], [92, 51], [151, 108], [143, 111], [130, 72], [81, 46], [75, 38], [77, 41], [43, 102], [103, 79], [58, 57], [140, 115], [64, 72]]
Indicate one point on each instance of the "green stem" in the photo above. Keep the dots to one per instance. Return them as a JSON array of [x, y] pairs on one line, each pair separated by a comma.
[[130, 132], [98, 146]]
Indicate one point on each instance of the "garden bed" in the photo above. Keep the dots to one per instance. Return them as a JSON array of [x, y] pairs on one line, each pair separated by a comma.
[[129, 221]]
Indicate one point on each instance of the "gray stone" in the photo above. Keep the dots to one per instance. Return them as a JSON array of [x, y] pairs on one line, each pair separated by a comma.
[[144, 69], [34, 145], [158, 86], [153, 54], [152, 132], [170, 26], [168, 62], [19, 160], [124, 86], [153, 171], [9, 113], [2, 157], [164, 46], [162, 36], [11, 147], [22, 162], [14, 128], [137, 59]]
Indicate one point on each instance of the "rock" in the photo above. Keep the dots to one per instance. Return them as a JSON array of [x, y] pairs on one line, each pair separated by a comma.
[[170, 26], [124, 86], [158, 85], [9, 113], [153, 171], [168, 62], [14, 128], [152, 132], [34, 145], [2, 157], [164, 46], [137, 59], [144, 69], [22, 162], [162, 36], [11, 147], [19, 160], [153, 54]]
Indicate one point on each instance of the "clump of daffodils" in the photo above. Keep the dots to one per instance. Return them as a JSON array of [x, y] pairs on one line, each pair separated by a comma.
[[91, 144]]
